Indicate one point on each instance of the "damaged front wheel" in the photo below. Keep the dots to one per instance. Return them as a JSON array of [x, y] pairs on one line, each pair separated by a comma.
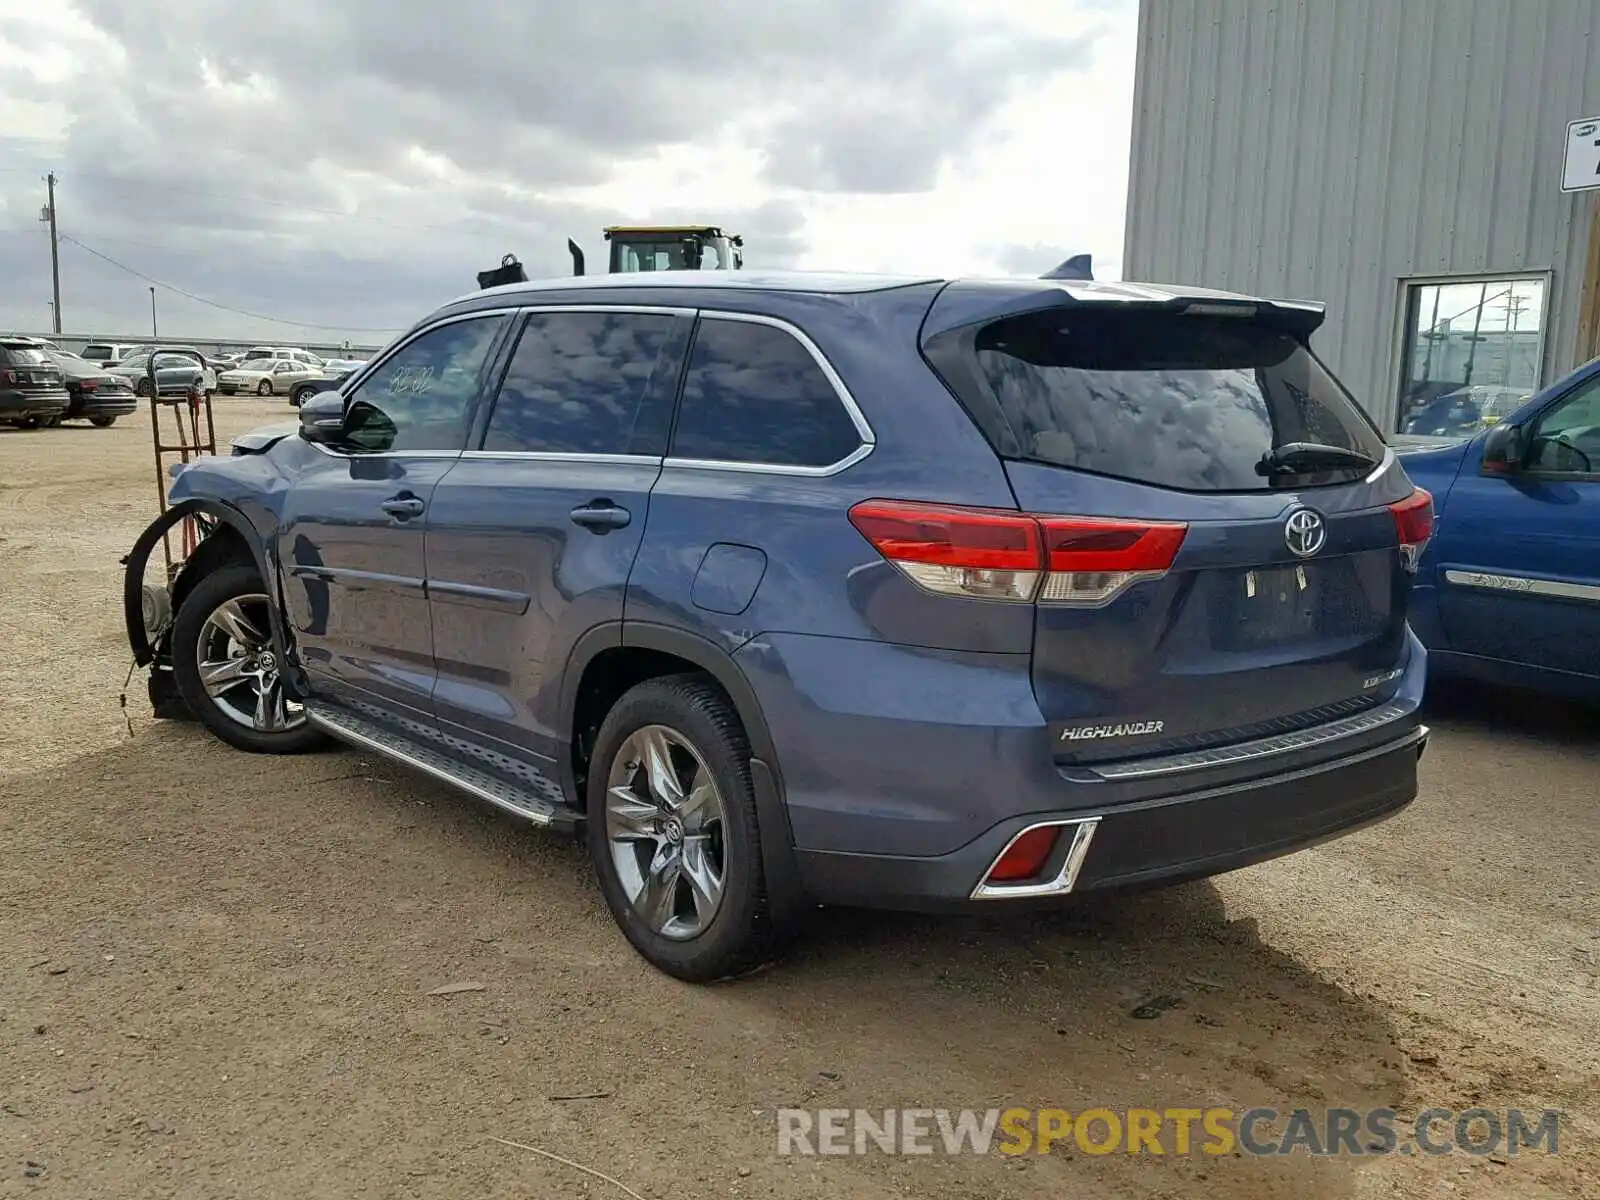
[[227, 669]]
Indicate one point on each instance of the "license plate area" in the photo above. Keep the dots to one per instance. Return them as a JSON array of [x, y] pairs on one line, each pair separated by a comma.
[[1268, 606]]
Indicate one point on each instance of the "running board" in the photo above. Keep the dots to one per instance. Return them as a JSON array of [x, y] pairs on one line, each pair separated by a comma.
[[534, 798]]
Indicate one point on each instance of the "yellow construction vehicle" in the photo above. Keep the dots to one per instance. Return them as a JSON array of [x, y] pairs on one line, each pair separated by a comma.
[[644, 248]]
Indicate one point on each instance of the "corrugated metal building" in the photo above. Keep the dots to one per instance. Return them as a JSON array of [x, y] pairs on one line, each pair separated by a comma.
[[1400, 160]]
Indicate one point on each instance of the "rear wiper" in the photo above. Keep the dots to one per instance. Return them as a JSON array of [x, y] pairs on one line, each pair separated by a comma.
[[1297, 458]]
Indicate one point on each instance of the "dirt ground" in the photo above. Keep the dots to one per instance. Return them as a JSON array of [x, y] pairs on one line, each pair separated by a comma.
[[214, 968]]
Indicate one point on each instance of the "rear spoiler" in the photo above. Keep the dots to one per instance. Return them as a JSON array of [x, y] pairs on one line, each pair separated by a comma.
[[971, 303]]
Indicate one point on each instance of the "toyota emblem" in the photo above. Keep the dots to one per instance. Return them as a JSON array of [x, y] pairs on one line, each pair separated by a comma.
[[1305, 532]]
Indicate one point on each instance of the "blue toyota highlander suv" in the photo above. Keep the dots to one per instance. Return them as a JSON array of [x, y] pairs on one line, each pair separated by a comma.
[[807, 589]]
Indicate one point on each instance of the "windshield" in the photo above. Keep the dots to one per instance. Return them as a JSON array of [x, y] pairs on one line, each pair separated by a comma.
[[1198, 403], [668, 254]]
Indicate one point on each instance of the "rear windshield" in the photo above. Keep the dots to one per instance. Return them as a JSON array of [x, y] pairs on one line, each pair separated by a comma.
[[26, 356], [1184, 401], [98, 352]]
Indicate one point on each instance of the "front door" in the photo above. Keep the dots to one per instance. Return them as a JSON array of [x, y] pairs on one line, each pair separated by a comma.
[[531, 537], [1519, 553], [351, 536]]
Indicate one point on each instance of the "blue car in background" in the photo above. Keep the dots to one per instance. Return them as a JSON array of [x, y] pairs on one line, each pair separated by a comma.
[[1508, 589]]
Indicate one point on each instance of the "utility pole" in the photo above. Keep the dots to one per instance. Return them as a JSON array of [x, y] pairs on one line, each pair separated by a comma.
[[49, 215], [153, 333]]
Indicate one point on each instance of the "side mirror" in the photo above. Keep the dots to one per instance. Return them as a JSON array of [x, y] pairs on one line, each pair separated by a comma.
[[1503, 450], [322, 417]]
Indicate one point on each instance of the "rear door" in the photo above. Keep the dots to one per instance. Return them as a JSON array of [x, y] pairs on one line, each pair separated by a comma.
[[532, 535], [351, 534], [1519, 558], [1224, 562]]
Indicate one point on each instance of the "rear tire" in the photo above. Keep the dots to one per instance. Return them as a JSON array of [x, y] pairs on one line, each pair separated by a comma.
[[102, 422], [222, 629], [659, 863]]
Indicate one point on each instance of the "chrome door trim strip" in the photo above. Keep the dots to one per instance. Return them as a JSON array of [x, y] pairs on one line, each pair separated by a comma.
[[1523, 585]]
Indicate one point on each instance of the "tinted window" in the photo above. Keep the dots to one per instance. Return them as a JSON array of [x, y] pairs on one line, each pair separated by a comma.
[[421, 397], [98, 352], [575, 384], [754, 394], [1184, 401]]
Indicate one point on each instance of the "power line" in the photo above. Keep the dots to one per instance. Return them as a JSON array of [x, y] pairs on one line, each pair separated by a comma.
[[255, 316]]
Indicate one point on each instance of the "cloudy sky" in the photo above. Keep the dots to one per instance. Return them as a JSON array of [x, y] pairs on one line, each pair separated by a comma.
[[336, 168]]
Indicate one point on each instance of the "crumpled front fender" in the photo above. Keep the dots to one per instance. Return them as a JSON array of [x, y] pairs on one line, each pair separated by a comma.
[[136, 560]]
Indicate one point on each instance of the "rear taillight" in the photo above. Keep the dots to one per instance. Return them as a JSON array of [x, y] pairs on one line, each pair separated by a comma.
[[988, 554], [88, 385], [1091, 561], [8, 377], [998, 554], [1413, 525]]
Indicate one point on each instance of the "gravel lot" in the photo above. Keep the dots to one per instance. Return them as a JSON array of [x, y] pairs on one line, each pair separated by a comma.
[[214, 967]]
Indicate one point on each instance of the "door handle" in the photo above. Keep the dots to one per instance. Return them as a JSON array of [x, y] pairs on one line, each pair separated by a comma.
[[601, 516], [403, 508]]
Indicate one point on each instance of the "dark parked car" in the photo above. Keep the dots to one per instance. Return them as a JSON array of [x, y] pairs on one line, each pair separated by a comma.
[[827, 589], [32, 391], [337, 371], [94, 394]]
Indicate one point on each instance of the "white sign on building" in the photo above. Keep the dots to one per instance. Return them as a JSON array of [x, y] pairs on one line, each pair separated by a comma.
[[1580, 170]]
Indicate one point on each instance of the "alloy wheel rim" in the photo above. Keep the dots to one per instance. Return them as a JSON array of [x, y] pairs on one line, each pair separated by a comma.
[[240, 670], [665, 823]]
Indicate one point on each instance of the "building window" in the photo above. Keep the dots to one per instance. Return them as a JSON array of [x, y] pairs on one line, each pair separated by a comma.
[[1473, 352]]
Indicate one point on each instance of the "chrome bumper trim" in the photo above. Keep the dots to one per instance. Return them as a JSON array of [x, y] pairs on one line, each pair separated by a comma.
[[1083, 834], [1285, 743]]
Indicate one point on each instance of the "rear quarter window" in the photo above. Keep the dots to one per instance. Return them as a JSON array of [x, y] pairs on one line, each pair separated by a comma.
[[754, 394], [1183, 401]]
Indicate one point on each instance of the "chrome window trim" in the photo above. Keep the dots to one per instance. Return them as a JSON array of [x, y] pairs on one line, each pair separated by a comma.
[[1523, 585], [642, 460], [655, 310], [1083, 829], [864, 431], [1267, 747]]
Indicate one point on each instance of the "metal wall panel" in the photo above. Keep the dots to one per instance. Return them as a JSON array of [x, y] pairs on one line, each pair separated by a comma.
[[1328, 149]]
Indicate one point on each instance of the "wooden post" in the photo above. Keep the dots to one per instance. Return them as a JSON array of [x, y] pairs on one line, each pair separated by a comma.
[[1589, 296]]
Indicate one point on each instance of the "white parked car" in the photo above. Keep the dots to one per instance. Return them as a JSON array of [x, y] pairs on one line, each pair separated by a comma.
[[267, 376], [255, 353]]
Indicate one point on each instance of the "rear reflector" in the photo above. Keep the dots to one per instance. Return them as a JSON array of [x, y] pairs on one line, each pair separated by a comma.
[[999, 554], [1413, 524], [1026, 856]]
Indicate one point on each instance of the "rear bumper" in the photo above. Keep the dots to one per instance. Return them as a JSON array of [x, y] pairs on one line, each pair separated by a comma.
[[1166, 840], [122, 405], [15, 405]]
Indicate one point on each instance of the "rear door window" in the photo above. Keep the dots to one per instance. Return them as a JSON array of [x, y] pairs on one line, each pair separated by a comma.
[[754, 394], [576, 385], [1197, 403]]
